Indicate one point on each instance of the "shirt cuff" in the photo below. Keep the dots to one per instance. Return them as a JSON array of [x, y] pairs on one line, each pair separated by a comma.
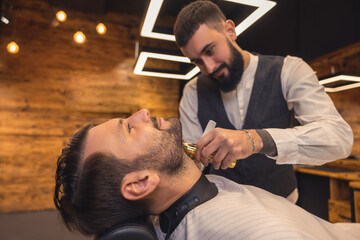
[[269, 146], [287, 148]]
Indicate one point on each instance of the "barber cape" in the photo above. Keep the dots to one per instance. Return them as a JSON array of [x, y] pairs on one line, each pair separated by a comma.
[[247, 212]]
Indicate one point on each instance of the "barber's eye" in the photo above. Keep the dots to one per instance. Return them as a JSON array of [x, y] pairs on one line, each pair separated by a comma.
[[129, 128], [210, 51]]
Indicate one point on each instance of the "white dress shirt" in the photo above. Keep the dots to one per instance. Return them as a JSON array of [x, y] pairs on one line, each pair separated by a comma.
[[323, 136], [247, 212]]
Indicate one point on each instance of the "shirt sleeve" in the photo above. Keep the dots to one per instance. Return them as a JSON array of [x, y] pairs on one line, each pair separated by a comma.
[[324, 135], [188, 108]]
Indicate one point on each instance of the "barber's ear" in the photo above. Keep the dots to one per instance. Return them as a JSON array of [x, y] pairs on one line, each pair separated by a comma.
[[230, 29], [137, 185]]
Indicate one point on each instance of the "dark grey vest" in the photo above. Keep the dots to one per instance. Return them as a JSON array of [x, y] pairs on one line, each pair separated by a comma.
[[267, 109]]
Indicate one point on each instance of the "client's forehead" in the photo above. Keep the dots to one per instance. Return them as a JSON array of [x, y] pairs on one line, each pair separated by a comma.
[[106, 137]]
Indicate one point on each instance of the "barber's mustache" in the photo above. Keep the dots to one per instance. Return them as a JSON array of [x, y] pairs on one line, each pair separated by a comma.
[[218, 69]]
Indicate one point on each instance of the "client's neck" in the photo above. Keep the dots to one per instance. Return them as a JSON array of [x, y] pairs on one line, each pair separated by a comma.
[[173, 187]]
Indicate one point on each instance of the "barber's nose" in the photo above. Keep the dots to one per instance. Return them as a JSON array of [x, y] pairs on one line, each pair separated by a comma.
[[143, 115], [209, 65]]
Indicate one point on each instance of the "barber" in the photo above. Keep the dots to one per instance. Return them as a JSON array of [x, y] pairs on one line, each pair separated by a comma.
[[255, 100]]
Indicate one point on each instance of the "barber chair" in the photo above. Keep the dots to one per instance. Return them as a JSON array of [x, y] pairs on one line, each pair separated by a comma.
[[136, 229]]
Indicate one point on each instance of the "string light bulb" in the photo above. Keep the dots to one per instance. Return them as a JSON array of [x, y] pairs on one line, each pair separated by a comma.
[[13, 48], [61, 16], [79, 37], [5, 20], [101, 28]]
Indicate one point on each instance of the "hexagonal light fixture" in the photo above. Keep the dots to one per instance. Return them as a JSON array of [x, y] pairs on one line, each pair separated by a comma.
[[263, 6]]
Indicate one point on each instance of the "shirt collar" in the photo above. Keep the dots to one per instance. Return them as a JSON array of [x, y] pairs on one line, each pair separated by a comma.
[[202, 191], [249, 73]]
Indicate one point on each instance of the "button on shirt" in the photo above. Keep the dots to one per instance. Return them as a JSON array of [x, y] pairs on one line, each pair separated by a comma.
[[323, 136]]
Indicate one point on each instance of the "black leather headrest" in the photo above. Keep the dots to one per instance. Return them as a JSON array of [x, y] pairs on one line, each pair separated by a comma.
[[135, 229]]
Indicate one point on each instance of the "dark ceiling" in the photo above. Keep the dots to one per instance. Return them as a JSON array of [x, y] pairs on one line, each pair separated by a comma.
[[305, 28]]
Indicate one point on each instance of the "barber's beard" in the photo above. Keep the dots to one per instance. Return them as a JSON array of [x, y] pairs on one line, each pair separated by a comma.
[[166, 152], [235, 71]]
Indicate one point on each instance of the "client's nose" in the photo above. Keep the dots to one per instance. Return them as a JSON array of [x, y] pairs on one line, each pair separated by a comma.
[[144, 115]]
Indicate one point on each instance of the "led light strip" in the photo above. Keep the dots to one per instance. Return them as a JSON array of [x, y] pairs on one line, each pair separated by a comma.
[[342, 88], [149, 23], [147, 31], [155, 5], [263, 7], [145, 55], [341, 78]]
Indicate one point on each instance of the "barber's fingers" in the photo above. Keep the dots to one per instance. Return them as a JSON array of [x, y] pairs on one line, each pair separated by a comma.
[[207, 152], [219, 158], [227, 162], [203, 149], [211, 142], [215, 145], [224, 157], [228, 145]]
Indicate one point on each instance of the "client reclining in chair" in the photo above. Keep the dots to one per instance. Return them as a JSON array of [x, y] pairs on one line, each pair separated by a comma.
[[136, 167]]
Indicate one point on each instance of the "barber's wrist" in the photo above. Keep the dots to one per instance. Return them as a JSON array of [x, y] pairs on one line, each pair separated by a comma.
[[255, 140], [268, 144]]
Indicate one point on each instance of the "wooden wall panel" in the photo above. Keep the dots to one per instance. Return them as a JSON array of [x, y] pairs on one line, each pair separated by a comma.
[[52, 87], [27, 166], [345, 60]]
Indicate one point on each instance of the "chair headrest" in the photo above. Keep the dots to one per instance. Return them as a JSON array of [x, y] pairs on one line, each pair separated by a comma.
[[135, 229]]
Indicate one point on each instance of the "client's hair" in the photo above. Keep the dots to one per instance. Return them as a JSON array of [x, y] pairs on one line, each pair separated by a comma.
[[87, 191]]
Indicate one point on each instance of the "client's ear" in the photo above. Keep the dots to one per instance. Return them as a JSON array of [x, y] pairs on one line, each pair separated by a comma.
[[139, 184]]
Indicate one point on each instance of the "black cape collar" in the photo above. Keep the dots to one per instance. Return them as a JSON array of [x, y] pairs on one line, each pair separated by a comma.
[[202, 191]]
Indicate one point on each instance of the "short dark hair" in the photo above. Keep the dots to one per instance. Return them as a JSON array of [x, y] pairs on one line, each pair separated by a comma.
[[192, 16], [87, 191]]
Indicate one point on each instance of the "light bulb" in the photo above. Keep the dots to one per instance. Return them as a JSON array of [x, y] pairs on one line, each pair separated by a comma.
[[61, 16], [5, 20], [13, 48], [101, 29], [79, 37]]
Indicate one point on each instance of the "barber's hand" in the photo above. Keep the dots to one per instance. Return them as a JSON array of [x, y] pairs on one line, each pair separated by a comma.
[[229, 145]]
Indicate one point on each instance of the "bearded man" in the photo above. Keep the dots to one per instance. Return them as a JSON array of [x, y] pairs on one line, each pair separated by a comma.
[[256, 101], [135, 167]]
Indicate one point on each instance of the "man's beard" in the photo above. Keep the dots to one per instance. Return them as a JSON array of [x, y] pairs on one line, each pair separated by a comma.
[[166, 151], [236, 69]]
